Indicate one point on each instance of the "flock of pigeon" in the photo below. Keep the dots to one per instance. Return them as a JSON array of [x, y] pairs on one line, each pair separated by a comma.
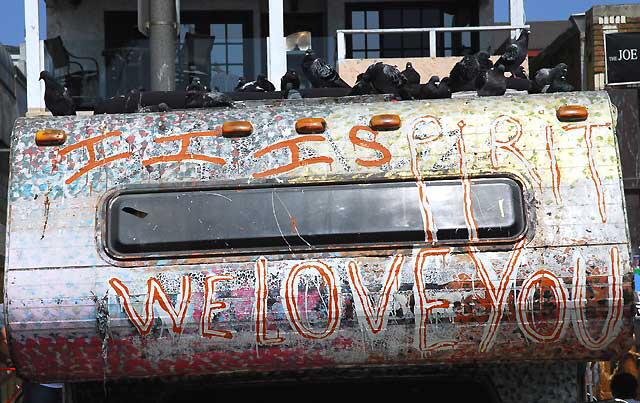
[[473, 73]]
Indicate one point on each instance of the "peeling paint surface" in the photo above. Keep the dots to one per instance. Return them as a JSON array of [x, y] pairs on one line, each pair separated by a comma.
[[563, 291]]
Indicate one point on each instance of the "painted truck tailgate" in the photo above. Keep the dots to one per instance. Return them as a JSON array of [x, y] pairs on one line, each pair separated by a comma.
[[480, 230]]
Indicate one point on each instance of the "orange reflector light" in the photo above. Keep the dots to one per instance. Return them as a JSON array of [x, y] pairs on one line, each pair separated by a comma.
[[385, 122], [50, 137], [572, 113], [311, 126], [236, 129]]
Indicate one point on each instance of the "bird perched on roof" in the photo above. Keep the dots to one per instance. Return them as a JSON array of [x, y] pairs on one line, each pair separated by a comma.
[[559, 81], [133, 101], [319, 73], [484, 65], [515, 54], [435, 89], [464, 74], [290, 77], [241, 82], [387, 79], [495, 83], [207, 100], [261, 84], [543, 78], [413, 80], [363, 86], [517, 82], [196, 86], [56, 96]]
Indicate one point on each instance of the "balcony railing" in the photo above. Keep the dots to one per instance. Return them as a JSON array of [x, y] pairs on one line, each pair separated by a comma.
[[342, 45]]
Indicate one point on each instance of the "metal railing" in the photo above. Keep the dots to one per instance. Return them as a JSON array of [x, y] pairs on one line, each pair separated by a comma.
[[342, 45]]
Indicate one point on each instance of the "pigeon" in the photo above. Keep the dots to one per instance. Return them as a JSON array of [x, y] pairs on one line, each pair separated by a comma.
[[435, 89], [261, 84], [544, 77], [484, 65], [319, 73], [363, 86], [515, 54], [413, 80], [464, 74], [133, 101], [290, 77], [519, 81], [290, 92], [495, 84], [161, 107], [241, 82], [387, 79], [265, 84], [196, 86], [207, 100], [559, 82], [56, 96]]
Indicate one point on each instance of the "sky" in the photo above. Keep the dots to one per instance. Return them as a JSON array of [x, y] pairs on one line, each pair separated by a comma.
[[12, 15]]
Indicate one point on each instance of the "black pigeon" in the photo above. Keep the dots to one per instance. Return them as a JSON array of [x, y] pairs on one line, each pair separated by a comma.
[[207, 100], [161, 107], [464, 74], [241, 82], [265, 84], [559, 82], [56, 96], [543, 77], [290, 77], [196, 86], [515, 54], [261, 84], [435, 89], [519, 81], [319, 73], [133, 101], [495, 84], [413, 80], [363, 86], [387, 79], [484, 65]]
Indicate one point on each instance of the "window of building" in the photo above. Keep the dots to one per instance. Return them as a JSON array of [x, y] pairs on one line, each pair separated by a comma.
[[227, 55], [409, 15]]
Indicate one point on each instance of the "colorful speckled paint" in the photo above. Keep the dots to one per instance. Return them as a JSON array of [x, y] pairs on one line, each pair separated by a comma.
[[562, 291]]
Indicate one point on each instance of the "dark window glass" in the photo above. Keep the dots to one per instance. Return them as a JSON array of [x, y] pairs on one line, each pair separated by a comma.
[[280, 219]]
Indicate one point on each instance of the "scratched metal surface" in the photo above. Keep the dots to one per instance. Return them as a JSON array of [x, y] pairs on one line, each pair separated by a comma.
[[562, 292]]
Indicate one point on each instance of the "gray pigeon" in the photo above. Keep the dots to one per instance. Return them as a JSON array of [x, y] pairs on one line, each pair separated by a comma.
[[515, 54], [319, 73], [56, 96], [544, 77], [196, 86]]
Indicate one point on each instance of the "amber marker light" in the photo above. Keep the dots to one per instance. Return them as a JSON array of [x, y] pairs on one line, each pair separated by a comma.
[[385, 122], [237, 129], [311, 126], [572, 113], [46, 138]]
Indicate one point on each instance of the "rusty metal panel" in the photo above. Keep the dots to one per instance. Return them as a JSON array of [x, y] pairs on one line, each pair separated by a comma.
[[563, 291]]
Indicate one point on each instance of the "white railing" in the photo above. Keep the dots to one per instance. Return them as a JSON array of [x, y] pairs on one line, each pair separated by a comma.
[[342, 45]]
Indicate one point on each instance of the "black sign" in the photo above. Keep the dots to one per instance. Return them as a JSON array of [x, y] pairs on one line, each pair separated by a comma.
[[623, 57]]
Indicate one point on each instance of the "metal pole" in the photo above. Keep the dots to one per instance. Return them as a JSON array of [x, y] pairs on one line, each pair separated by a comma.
[[35, 88], [277, 66], [162, 37]]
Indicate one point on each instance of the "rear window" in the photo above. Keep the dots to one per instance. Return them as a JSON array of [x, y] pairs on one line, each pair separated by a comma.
[[244, 220]]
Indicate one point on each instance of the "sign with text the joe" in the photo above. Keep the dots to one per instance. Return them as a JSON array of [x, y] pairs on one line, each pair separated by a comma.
[[622, 53]]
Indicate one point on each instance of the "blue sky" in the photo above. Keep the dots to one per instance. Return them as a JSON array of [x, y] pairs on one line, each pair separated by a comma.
[[12, 15]]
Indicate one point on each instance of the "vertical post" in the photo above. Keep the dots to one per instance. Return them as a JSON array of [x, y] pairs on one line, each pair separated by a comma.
[[433, 50], [277, 65], [35, 88], [516, 16], [342, 47], [162, 44]]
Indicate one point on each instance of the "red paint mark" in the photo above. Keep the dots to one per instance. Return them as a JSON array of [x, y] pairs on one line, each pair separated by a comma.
[[376, 320], [414, 139], [510, 145], [260, 311], [333, 304], [211, 307], [294, 148], [373, 145], [553, 165], [614, 315], [183, 154], [469, 218], [155, 292], [14, 396], [426, 305], [542, 278], [593, 169], [90, 146], [498, 291]]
